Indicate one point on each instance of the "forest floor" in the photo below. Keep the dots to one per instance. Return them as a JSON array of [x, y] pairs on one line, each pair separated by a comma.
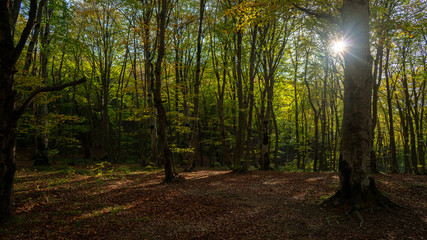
[[101, 202]]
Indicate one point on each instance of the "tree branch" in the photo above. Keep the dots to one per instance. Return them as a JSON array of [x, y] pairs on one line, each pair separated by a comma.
[[27, 30], [16, 7], [329, 17], [38, 90]]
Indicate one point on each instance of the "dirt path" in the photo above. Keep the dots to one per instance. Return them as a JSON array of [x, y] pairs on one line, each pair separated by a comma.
[[208, 205]]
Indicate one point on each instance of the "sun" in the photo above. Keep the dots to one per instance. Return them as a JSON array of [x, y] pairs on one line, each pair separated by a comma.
[[338, 46]]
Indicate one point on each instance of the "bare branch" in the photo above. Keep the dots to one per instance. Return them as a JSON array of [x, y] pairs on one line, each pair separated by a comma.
[[38, 90], [27, 30]]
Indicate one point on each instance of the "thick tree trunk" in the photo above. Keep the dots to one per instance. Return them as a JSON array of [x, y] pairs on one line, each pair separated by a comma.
[[357, 186], [7, 145], [9, 54]]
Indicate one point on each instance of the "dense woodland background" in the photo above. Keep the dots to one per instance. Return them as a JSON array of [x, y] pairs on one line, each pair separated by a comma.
[[243, 84], [111, 92]]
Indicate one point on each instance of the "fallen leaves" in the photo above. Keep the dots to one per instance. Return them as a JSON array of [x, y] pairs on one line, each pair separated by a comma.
[[209, 205]]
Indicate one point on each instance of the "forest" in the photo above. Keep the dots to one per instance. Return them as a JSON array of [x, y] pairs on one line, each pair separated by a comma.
[[202, 119]]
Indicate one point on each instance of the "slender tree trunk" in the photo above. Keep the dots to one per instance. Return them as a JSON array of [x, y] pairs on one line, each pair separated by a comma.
[[163, 125], [408, 112], [297, 137], [316, 113], [276, 133], [265, 147], [242, 114], [420, 133], [220, 101], [195, 157], [33, 41], [394, 166], [249, 151], [149, 79], [42, 136], [405, 133], [322, 160]]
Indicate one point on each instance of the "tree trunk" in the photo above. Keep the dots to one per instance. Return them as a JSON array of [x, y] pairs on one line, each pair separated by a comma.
[[195, 157], [408, 113], [357, 186], [163, 125], [322, 160], [7, 145], [276, 133], [297, 141], [241, 126], [149, 79], [42, 136], [394, 165], [405, 133], [220, 101], [9, 54], [252, 73]]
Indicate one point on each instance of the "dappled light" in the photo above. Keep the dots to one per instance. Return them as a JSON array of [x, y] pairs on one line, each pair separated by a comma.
[[197, 119], [207, 205]]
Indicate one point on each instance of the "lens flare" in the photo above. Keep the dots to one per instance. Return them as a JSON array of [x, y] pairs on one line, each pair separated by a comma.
[[338, 46]]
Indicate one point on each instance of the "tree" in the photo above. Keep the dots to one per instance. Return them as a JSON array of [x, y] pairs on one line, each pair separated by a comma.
[[10, 112], [195, 138], [156, 88], [357, 186]]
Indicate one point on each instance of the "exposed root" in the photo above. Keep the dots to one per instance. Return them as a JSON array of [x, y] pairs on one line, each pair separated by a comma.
[[358, 201], [359, 216]]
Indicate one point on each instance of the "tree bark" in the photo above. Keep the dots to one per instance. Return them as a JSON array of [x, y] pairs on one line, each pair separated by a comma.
[[242, 121], [357, 186], [297, 137], [9, 54], [408, 113], [163, 125], [252, 73], [195, 157], [394, 166], [42, 135]]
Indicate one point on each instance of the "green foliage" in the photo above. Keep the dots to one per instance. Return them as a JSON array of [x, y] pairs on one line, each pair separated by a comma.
[[105, 41]]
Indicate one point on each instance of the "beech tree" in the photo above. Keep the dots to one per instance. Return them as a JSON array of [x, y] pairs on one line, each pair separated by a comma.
[[357, 185], [220, 83], [10, 112]]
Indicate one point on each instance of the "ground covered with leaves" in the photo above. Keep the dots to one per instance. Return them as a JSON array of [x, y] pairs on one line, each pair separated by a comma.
[[102, 202]]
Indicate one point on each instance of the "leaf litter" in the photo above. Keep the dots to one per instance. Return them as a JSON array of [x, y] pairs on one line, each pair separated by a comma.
[[208, 205]]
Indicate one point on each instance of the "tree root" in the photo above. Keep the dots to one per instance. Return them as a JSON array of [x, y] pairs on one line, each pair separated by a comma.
[[359, 216]]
